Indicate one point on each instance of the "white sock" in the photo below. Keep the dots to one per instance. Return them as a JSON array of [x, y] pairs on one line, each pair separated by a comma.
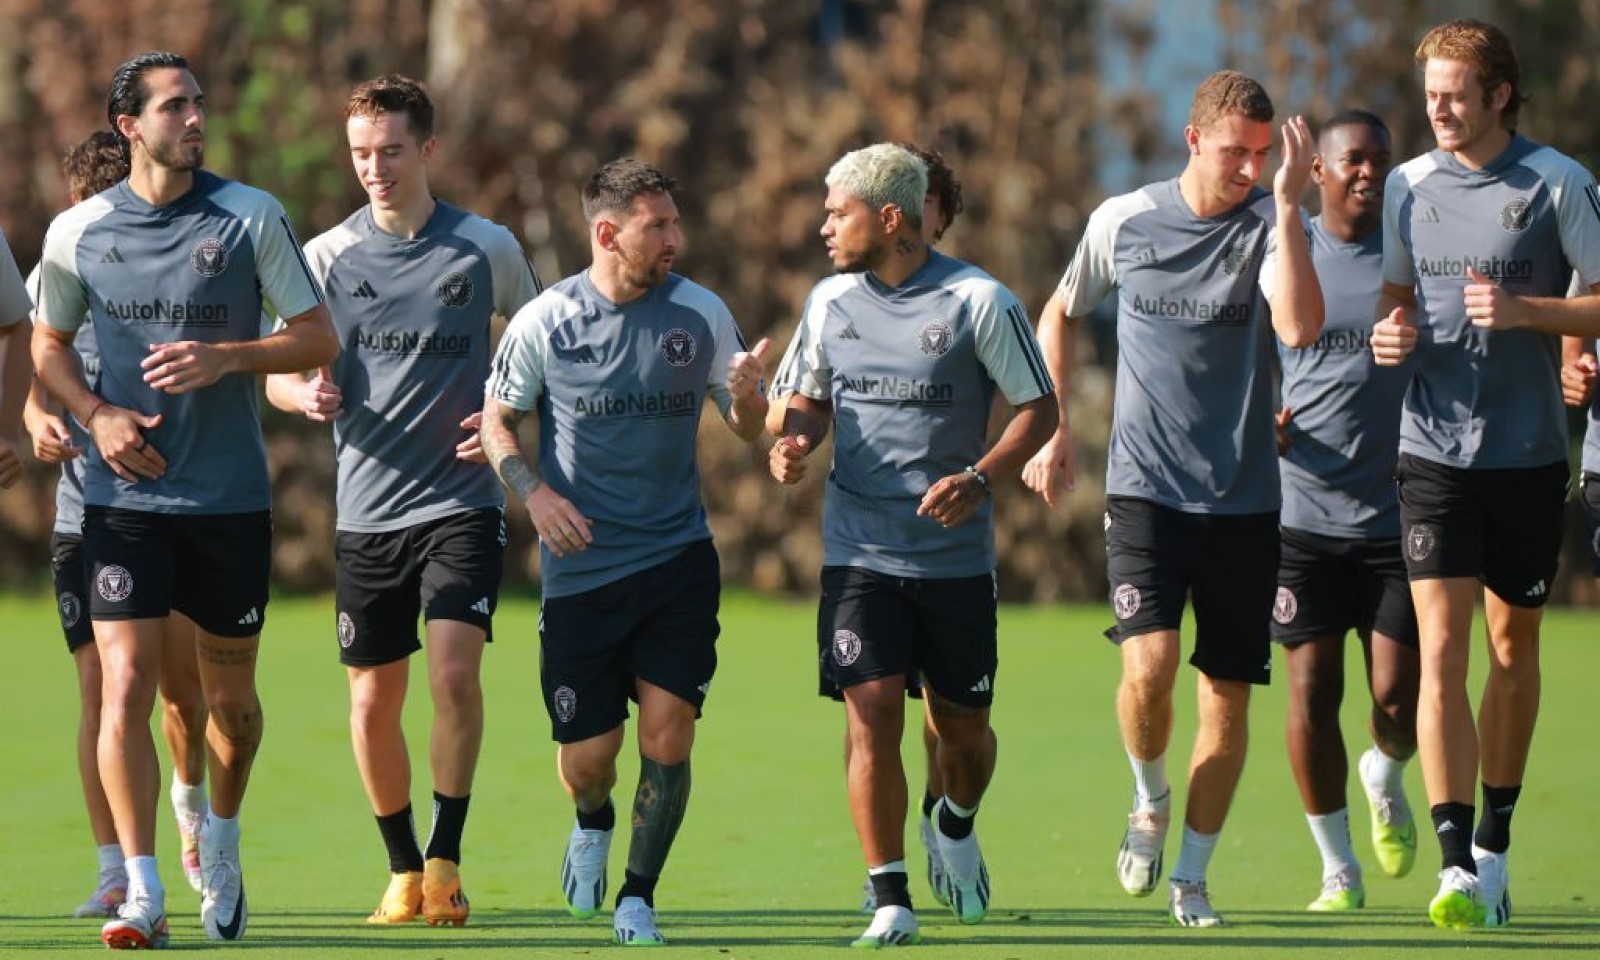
[[1382, 773], [965, 813], [1332, 833], [111, 859], [187, 800], [1195, 856], [893, 866], [222, 830], [1151, 792], [144, 882]]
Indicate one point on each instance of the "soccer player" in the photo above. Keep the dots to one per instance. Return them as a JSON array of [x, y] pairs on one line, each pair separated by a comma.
[[174, 263], [1200, 263], [1481, 238], [1341, 567], [902, 352], [939, 210], [412, 283], [618, 361], [91, 167]]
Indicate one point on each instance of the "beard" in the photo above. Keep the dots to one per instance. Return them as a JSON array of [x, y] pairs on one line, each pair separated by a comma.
[[178, 155], [641, 272], [860, 262]]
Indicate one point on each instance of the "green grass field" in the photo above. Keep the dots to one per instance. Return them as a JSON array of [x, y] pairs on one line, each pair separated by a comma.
[[767, 865]]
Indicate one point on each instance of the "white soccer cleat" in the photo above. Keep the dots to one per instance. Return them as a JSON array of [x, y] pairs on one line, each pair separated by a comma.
[[1494, 886], [189, 847], [938, 878], [583, 871], [1191, 906], [966, 877], [224, 911], [109, 894], [635, 924], [891, 927], [1139, 858], [140, 924], [1459, 903]]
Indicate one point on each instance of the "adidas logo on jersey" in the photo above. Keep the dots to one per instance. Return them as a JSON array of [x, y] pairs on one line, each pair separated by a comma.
[[984, 685], [1429, 215], [1536, 591], [482, 606], [1145, 255], [849, 332], [113, 256], [251, 618], [579, 354], [364, 291]]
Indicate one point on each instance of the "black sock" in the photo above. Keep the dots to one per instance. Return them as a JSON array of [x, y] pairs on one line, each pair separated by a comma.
[[1494, 830], [634, 885], [953, 826], [603, 819], [449, 819], [400, 838], [1453, 824], [929, 801], [891, 889]]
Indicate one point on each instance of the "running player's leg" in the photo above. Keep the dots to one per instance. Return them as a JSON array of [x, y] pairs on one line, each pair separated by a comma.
[[183, 726], [1393, 670], [1320, 765]]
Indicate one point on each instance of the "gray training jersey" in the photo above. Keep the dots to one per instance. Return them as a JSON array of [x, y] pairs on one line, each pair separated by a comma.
[[619, 389], [911, 372], [1528, 220], [198, 268], [69, 490], [413, 321], [1192, 425], [1338, 476]]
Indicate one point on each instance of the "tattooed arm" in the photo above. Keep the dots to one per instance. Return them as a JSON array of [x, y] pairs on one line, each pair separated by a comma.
[[562, 528]]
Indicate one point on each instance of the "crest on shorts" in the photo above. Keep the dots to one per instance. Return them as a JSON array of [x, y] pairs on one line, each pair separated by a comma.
[[209, 257], [455, 291], [1285, 607], [114, 583], [347, 630], [71, 609], [1516, 214], [565, 700], [1236, 257], [1594, 545], [936, 338], [1125, 601], [1419, 542], [846, 647], [678, 347]]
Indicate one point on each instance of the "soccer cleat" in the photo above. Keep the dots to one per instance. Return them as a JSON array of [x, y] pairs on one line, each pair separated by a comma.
[[402, 901], [869, 897], [1494, 886], [1394, 829], [139, 925], [1191, 905], [966, 877], [635, 924], [108, 895], [189, 848], [1459, 902], [583, 871], [443, 902], [1341, 893], [891, 927], [938, 879], [224, 911], [1139, 859]]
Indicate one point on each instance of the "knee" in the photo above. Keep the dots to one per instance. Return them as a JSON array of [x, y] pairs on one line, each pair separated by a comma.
[[236, 716], [456, 688], [1316, 697], [588, 772], [1148, 678], [667, 742]]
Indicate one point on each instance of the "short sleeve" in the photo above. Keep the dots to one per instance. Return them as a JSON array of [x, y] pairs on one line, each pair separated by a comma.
[[516, 377]]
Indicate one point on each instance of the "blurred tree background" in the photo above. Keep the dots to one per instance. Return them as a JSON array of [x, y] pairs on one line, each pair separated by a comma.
[[1043, 107]]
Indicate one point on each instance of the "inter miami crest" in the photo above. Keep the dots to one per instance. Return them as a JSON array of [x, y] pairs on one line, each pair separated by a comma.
[[1514, 216], [347, 630], [677, 346], [1125, 601], [71, 609], [1419, 542], [1285, 607], [114, 583], [209, 257], [565, 700], [455, 291], [1236, 257], [846, 647], [935, 338]]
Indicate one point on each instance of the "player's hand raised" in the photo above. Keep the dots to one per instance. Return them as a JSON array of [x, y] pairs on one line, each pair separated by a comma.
[[1489, 305], [1393, 338], [1299, 147], [787, 459], [746, 369], [561, 527], [1578, 380], [183, 367], [1054, 469]]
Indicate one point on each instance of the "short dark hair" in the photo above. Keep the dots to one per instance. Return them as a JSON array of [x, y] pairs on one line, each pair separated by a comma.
[[393, 93], [1355, 118], [95, 165], [942, 182], [615, 186], [128, 94]]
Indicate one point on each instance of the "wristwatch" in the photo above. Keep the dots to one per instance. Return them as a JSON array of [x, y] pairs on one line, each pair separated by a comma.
[[982, 478]]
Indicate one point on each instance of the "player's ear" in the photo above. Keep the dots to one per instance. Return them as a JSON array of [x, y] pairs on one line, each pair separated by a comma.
[[1191, 136], [891, 216], [427, 147], [1317, 173], [605, 233]]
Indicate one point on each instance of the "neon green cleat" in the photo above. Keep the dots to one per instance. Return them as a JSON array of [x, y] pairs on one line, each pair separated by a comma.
[[1394, 829], [1459, 904], [1341, 893]]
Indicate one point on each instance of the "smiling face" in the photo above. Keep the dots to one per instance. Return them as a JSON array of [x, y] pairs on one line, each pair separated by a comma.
[[389, 161], [172, 126], [1464, 116], [1350, 169], [1228, 156]]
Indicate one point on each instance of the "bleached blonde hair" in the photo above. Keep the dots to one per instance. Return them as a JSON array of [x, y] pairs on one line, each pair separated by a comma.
[[882, 174]]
